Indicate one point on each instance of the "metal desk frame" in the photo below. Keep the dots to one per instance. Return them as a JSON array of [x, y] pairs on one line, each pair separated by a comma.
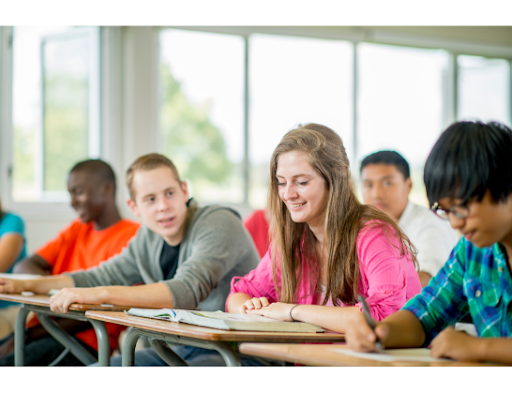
[[128, 356], [43, 314]]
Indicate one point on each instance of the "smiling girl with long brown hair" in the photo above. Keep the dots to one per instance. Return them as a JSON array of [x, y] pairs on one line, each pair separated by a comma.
[[326, 247]]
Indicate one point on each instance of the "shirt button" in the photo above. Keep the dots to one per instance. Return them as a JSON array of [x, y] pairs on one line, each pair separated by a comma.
[[500, 269], [478, 293]]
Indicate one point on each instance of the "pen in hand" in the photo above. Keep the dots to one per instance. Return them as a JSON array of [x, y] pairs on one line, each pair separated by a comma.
[[369, 320]]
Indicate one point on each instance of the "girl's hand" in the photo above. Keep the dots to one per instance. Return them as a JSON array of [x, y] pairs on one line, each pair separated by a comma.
[[279, 311], [457, 345], [254, 303]]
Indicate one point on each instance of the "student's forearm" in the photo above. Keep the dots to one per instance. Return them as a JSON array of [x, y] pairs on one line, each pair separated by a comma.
[[236, 300], [495, 350], [152, 296], [33, 265], [331, 318], [424, 278], [405, 330], [45, 284]]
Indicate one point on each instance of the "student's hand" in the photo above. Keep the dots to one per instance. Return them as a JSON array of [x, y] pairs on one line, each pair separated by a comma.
[[11, 286], [451, 343], [254, 303], [359, 335], [60, 302], [279, 311]]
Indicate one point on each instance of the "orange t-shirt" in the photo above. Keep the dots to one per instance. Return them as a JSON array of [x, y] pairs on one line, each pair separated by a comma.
[[80, 246]]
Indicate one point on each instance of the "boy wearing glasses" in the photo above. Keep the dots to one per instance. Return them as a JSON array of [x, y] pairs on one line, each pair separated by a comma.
[[468, 177]]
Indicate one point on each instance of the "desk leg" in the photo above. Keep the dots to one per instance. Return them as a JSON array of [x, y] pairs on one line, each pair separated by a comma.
[[228, 353], [167, 354], [19, 336], [128, 355], [103, 342], [65, 339]]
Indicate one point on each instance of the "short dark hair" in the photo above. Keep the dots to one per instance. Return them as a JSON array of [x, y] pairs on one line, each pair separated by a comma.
[[96, 167], [468, 159], [388, 157]]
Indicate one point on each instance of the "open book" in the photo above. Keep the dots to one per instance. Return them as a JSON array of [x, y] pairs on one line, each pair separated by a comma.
[[225, 321]]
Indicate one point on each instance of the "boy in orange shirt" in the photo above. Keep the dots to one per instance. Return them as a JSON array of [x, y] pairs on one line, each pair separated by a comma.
[[97, 235]]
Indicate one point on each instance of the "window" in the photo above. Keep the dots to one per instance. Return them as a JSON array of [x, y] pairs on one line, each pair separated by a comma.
[[483, 89], [294, 81], [400, 104], [202, 111], [56, 117], [218, 88]]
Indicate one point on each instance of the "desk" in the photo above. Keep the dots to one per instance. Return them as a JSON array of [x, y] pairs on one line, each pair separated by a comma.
[[181, 333], [326, 355], [40, 304]]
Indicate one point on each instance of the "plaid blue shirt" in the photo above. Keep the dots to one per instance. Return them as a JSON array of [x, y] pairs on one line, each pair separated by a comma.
[[473, 280]]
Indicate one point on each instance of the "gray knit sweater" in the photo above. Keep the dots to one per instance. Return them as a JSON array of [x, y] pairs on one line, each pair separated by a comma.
[[215, 247]]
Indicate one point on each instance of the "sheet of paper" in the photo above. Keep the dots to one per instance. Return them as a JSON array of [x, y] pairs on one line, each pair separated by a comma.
[[390, 355]]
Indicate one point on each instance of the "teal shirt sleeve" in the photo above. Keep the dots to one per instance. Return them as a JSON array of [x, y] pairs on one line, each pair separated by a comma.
[[443, 301], [13, 224]]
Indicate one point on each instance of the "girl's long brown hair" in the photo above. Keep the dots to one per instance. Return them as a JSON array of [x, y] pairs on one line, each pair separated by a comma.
[[293, 244]]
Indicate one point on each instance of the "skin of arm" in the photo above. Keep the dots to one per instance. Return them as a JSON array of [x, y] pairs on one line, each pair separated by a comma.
[[424, 278], [33, 265], [399, 330], [331, 318], [460, 346], [40, 285], [237, 302], [11, 245], [152, 295]]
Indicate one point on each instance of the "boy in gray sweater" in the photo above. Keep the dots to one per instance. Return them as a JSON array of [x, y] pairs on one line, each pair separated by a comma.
[[186, 255]]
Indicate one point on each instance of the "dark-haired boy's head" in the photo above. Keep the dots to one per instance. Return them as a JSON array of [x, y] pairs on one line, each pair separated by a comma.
[[468, 159], [386, 182], [92, 187], [388, 157], [469, 174]]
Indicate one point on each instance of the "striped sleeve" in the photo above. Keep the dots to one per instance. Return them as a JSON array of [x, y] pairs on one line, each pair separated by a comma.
[[443, 301]]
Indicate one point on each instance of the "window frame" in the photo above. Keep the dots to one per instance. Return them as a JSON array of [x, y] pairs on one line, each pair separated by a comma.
[[120, 78], [54, 205], [450, 86]]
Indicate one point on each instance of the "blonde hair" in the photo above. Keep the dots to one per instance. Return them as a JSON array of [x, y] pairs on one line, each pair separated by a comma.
[[147, 163], [345, 216]]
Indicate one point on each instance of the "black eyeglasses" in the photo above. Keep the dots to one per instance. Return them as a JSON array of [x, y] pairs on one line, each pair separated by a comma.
[[459, 211]]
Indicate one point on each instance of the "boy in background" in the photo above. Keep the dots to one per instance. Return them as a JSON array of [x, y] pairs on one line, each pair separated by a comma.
[[98, 234], [386, 184]]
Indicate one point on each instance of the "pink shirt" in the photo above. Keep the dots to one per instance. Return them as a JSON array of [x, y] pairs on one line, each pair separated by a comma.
[[386, 280]]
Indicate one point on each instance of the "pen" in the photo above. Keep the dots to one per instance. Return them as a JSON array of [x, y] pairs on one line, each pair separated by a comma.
[[369, 320]]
